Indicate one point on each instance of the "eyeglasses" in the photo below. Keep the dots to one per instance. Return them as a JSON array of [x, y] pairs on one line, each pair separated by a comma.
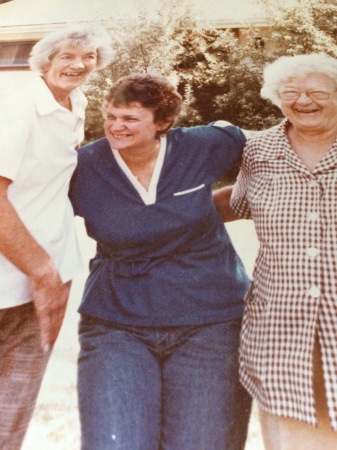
[[313, 95]]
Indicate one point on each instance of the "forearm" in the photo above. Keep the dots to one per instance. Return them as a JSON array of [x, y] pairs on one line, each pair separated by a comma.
[[221, 199], [19, 246], [49, 293]]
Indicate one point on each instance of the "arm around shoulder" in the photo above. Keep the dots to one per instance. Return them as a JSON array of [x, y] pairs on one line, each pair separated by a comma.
[[221, 199]]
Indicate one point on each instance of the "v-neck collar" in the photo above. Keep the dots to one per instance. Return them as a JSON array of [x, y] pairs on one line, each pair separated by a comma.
[[148, 196]]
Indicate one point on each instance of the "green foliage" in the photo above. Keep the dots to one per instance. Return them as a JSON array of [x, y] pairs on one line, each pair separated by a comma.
[[201, 64], [218, 77], [310, 26], [142, 44]]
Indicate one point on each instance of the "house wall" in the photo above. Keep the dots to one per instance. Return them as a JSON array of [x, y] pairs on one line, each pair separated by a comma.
[[12, 81]]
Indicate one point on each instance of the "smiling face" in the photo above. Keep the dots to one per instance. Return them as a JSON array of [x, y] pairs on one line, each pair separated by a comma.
[[130, 128], [307, 114], [69, 68]]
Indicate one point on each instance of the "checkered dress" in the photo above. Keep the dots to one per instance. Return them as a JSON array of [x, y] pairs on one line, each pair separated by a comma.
[[293, 295]]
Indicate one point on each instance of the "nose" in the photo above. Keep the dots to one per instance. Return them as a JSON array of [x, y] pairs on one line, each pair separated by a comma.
[[304, 98], [116, 125], [78, 64]]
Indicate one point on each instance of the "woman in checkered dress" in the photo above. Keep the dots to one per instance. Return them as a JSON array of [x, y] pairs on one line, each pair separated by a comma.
[[288, 186]]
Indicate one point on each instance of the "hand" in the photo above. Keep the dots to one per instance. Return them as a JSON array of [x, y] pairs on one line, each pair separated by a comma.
[[50, 297], [221, 199]]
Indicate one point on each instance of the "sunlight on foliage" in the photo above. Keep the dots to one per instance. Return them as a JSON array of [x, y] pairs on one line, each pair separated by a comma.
[[218, 76]]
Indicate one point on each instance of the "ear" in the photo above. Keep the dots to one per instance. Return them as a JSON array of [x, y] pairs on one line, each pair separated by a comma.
[[163, 127], [46, 67]]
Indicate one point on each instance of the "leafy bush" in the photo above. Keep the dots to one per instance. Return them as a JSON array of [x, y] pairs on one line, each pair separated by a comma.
[[218, 77]]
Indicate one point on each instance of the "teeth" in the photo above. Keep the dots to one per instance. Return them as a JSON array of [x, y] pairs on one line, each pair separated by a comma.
[[73, 74]]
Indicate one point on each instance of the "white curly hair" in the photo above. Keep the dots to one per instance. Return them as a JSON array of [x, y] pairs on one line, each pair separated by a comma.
[[299, 66], [75, 36]]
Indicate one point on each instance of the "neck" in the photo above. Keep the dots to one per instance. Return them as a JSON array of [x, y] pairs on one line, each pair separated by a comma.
[[142, 163], [314, 136], [60, 95], [142, 156], [311, 148]]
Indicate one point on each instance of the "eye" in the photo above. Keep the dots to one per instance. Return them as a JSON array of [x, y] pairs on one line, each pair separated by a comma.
[[289, 94], [319, 95]]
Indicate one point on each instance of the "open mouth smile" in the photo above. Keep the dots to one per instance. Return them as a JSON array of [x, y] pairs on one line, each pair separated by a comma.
[[120, 136], [73, 74], [303, 111]]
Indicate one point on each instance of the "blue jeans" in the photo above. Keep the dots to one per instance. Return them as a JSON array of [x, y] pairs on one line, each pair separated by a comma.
[[161, 388]]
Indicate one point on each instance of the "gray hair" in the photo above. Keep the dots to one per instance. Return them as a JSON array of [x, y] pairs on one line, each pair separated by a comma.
[[74, 36], [298, 66]]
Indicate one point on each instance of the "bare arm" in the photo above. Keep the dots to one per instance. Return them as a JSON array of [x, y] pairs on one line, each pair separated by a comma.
[[221, 199], [50, 295]]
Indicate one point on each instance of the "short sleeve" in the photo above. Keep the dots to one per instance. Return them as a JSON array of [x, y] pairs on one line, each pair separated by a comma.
[[226, 152], [14, 133], [239, 202]]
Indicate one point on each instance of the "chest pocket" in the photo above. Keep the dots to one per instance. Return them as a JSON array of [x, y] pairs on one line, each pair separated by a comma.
[[193, 204]]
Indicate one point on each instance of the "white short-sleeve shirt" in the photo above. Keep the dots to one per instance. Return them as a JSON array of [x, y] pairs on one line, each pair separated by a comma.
[[38, 152]]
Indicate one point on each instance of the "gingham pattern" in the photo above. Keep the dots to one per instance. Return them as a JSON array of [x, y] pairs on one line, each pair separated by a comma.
[[294, 289]]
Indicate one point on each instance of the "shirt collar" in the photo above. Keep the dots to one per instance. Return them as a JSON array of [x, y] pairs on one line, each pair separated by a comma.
[[278, 147], [46, 103], [274, 143]]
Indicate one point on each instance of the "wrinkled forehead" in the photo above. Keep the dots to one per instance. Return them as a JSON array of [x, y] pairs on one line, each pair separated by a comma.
[[74, 46], [313, 79]]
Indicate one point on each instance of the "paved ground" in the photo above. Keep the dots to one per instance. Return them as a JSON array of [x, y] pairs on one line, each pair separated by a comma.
[[55, 424]]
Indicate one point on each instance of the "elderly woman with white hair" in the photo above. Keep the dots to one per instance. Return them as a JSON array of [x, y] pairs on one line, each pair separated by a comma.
[[288, 186], [40, 130]]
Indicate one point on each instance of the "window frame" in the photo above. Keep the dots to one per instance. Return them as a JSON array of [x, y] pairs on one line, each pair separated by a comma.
[[19, 59]]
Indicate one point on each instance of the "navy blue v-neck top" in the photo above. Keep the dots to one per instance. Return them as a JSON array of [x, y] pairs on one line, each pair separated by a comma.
[[170, 263]]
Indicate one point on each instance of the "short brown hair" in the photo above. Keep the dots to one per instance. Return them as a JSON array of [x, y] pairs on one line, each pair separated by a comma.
[[151, 91]]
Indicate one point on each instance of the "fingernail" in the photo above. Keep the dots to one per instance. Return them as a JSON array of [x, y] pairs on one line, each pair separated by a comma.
[[46, 348]]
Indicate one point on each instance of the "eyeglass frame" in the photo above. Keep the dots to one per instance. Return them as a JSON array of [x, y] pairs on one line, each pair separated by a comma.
[[297, 94]]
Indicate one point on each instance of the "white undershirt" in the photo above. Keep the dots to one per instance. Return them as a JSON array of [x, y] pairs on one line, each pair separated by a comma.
[[148, 196]]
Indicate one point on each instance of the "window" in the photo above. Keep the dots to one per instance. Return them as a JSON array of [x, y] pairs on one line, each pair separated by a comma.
[[259, 43], [14, 55]]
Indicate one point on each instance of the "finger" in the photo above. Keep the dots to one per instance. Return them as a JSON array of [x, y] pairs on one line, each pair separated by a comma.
[[45, 337]]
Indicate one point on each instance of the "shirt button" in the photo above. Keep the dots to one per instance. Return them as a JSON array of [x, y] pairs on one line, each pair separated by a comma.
[[313, 183], [314, 292], [312, 216], [313, 252]]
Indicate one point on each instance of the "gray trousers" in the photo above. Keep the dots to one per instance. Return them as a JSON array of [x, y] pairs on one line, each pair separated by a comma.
[[22, 365]]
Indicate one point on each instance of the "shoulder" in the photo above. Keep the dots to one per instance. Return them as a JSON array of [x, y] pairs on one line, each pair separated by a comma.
[[93, 150], [268, 144], [93, 156], [214, 132], [92, 161]]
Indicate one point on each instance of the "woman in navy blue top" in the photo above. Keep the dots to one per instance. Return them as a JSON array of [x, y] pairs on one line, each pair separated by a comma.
[[162, 306]]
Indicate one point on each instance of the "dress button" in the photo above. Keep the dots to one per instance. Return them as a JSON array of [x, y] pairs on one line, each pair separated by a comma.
[[312, 216], [313, 183], [313, 252], [314, 292]]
